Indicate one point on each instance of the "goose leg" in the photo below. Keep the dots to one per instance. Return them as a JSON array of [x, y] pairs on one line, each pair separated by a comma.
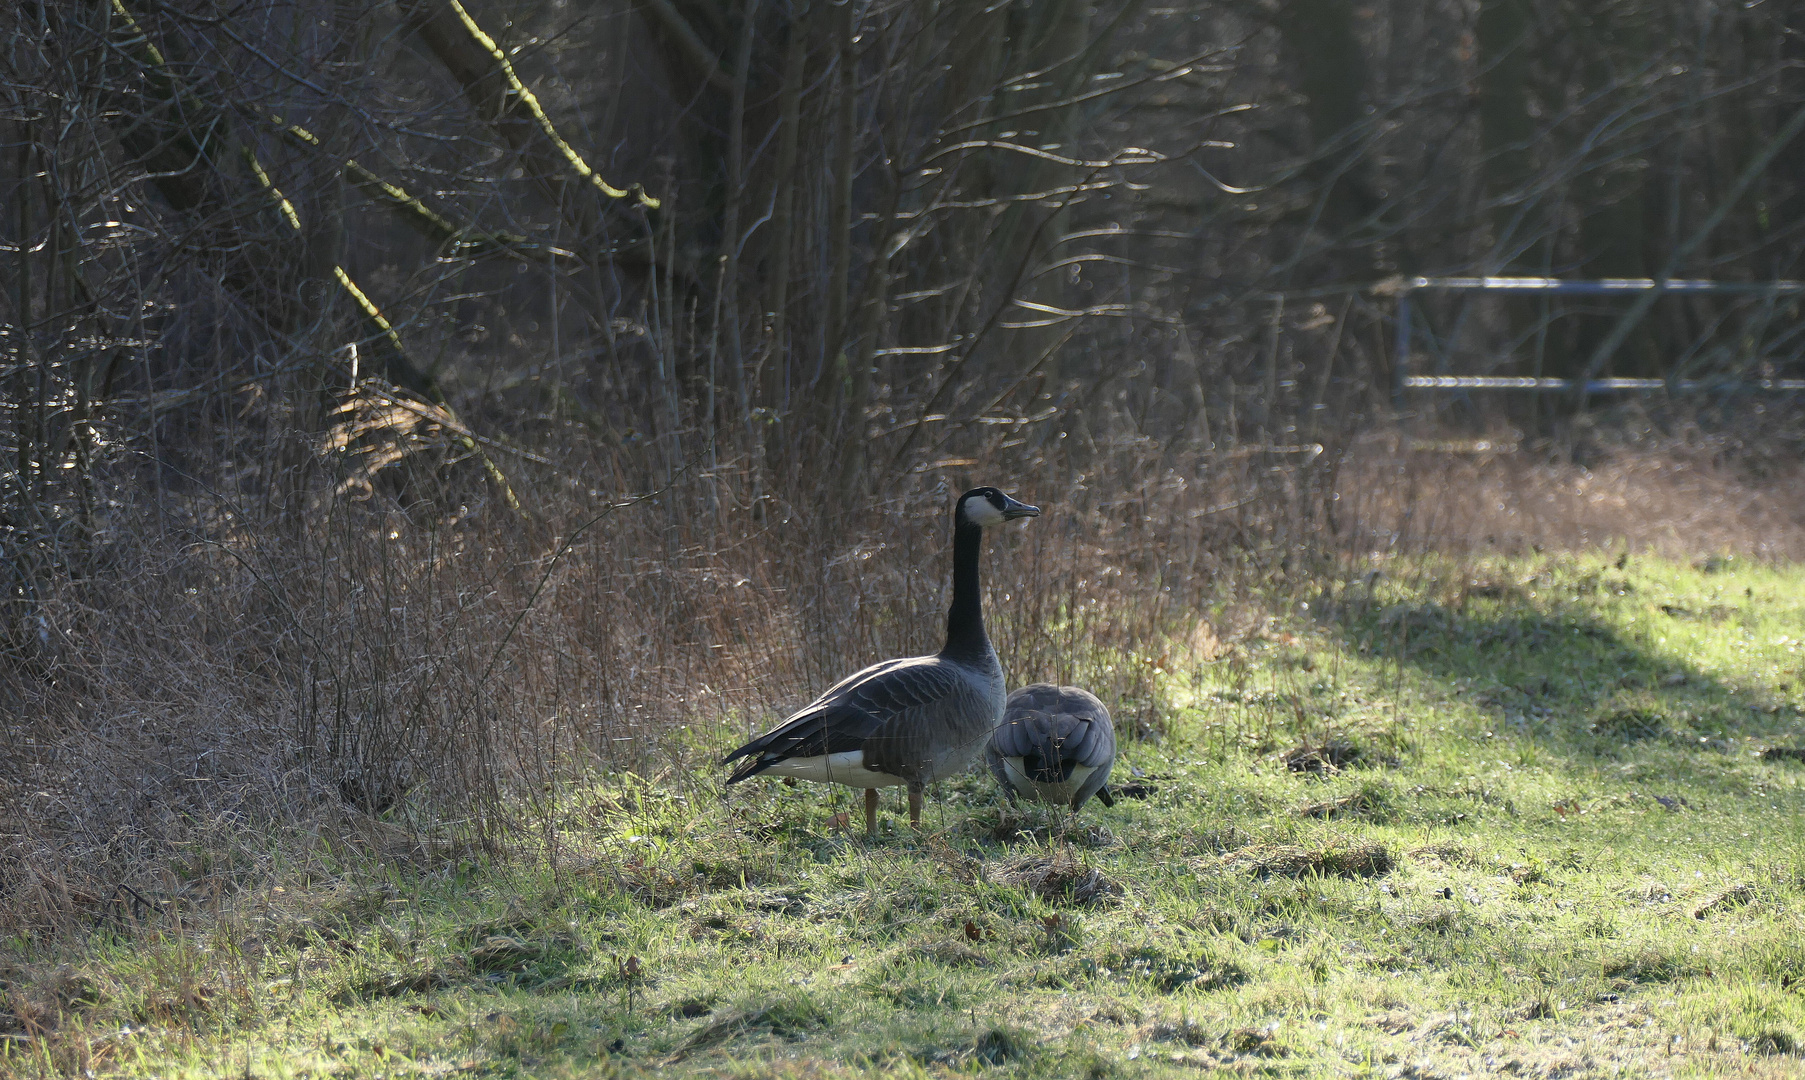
[[870, 811], [914, 806]]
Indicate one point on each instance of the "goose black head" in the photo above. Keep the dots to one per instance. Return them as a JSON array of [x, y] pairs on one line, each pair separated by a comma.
[[986, 506]]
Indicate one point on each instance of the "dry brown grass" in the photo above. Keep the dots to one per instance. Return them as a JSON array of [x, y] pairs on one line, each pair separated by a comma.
[[243, 676], [1680, 498]]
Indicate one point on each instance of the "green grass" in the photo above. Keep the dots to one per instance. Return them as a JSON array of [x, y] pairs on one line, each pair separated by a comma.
[[1507, 818]]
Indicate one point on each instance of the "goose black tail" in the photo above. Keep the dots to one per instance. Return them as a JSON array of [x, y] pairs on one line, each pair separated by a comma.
[[750, 767]]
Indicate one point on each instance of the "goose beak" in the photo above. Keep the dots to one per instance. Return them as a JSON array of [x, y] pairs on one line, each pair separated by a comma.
[[1013, 509]]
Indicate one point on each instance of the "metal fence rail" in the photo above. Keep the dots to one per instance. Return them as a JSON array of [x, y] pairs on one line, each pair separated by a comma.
[[1402, 379], [1593, 386]]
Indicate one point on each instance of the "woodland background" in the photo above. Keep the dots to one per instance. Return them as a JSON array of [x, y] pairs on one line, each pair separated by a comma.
[[410, 406]]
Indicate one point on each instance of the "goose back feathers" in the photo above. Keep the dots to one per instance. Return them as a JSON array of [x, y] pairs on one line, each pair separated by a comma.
[[1056, 744], [908, 721]]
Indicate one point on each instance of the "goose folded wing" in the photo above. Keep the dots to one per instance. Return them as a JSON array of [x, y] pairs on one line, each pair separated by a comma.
[[936, 719], [1020, 734], [1035, 697], [1040, 741], [1052, 746], [875, 705], [831, 728], [1075, 701], [1092, 742]]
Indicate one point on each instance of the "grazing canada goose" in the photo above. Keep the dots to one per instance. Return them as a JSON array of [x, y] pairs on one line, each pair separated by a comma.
[[906, 721], [1055, 745]]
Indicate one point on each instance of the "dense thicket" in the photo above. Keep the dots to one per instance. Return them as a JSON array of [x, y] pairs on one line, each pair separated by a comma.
[[307, 300]]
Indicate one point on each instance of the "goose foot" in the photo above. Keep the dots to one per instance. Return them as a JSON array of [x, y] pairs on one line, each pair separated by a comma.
[[871, 812]]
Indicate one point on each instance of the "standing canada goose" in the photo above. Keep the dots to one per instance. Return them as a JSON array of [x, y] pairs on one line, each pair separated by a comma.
[[904, 721], [1055, 745]]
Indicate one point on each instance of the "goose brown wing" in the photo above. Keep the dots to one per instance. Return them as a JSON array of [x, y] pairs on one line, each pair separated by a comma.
[[866, 708]]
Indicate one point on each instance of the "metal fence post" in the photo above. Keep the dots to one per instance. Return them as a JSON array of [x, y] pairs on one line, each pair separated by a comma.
[[1400, 360]]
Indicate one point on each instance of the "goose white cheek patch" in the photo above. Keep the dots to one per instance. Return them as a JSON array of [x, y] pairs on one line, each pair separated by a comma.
[[979, 511]]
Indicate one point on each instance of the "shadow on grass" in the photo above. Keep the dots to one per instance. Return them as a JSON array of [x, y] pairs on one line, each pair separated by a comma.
[[1547, 667]]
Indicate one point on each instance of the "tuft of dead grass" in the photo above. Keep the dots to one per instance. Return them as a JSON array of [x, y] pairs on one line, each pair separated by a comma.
[[1372, 802], [1325, 758], [787, 1017], [1356, 859], [1256, 1042], [1733, 897], [1059, 877]]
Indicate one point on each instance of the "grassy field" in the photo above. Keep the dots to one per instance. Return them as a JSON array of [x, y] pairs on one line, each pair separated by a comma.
[[1536, 818]]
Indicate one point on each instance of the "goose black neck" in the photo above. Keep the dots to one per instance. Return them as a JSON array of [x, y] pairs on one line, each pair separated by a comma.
[[965, 639]]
